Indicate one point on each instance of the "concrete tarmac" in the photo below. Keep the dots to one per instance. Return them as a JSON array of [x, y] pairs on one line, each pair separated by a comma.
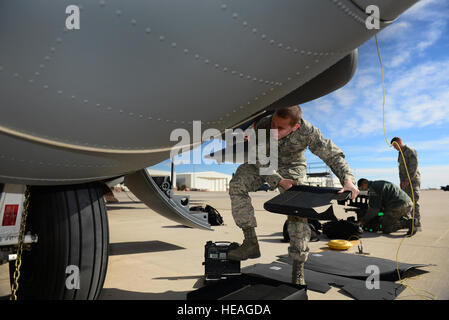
[[155, 258]]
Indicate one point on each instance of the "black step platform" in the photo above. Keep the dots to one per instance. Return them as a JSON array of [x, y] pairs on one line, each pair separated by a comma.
[[349, 272], [354, 265], [322, 282], [301, 200], [249, 287]]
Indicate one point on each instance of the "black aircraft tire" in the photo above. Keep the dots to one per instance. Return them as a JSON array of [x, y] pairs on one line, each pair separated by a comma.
[[72, 227]]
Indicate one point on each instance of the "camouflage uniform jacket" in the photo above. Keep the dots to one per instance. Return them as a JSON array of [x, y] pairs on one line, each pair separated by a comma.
[[411, 160], [291, 149], [384, 195]]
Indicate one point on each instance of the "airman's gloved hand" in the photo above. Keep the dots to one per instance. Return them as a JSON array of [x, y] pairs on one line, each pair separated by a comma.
[[349, 186]]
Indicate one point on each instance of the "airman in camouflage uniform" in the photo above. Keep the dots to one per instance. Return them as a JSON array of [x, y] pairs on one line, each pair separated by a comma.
[[411, 160], [293, 139], [394, 202]]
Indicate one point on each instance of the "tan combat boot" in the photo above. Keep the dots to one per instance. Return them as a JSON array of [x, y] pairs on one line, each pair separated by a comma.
[[248, 249], [298, 273]]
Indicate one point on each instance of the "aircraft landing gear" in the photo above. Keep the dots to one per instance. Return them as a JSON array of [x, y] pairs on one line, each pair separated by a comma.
[[70, 259]]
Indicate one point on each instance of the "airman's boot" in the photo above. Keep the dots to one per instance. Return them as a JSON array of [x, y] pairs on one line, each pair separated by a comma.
[[413, 229], [298, 273], [248, 249], [418, 224]]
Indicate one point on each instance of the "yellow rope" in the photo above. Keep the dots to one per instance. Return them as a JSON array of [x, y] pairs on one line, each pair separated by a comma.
[[402, 281]]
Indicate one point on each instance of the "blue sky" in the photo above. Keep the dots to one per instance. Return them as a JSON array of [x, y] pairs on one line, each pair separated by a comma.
[[415, 54]]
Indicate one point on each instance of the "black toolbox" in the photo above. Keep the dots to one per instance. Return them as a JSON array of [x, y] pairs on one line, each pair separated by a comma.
[[224, 280], [216, 263]]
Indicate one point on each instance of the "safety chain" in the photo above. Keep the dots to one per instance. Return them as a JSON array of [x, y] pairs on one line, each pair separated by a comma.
[[15, 285]]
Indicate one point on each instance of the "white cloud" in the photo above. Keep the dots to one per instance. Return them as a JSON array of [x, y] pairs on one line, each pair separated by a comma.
[[432, 35], [373, 149], [436, 145], [421, 77], [395, 30], [427, 10], [404, 39], [364, 81], [431, 176], [376, 171], [418, 97], [398, 59], [345, 96], [373, 158], [422, 95], [388, 174], [417, 92], [325, 107]]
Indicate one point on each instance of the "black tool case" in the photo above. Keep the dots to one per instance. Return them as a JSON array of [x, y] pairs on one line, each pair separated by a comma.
[[249, 287], [216, 263]]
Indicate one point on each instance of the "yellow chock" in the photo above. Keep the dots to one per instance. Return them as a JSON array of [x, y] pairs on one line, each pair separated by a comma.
[[339, 244]]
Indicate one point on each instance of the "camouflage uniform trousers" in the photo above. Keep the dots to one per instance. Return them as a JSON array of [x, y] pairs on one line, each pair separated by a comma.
[[247, 179], [392, 217], [416, 190]]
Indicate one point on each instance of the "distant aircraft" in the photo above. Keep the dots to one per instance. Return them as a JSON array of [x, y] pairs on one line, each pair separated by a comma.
[[95, 104]]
